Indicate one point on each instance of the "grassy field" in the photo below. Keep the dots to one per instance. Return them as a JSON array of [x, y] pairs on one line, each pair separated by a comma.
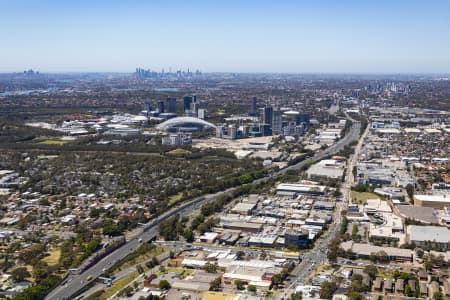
[[118, 285], [180, 271], [179, 152], [362, 197], [53, 142], [53, 258], [175, 198], [384, 274], [142, 258]]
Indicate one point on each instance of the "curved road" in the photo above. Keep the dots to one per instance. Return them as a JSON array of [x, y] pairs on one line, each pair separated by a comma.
[[72, 285]]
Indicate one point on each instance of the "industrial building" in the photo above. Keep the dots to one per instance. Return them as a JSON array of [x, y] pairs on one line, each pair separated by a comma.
[[365, 251], [177, 139], [327, 168], [125, 131], [324, 205], [263, 240], [435, 235], [243, 226], [243, 208], [375, 175], [208, 237], [254, 272], [298, 188], [435, 201]]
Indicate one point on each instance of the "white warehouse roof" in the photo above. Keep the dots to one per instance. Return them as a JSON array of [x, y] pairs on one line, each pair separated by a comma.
[[429, 233]]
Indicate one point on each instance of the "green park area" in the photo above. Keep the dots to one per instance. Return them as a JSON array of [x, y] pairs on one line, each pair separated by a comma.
[[362, 197]]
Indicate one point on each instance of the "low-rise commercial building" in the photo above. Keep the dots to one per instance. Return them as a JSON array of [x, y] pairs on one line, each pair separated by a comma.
[[324, 205], [366, 250], [423, 235], [425, 215], [243, 226], [298, 188], [243, 208], [435, 201], [177, 139], [297, 238], [208, 237], [259, 276], [263, 240], [327, 168]]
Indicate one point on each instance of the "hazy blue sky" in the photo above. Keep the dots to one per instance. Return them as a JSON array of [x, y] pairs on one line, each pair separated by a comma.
[[242, 36]]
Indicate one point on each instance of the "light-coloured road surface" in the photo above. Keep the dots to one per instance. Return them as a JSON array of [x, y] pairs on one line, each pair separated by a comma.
[[318, 255]]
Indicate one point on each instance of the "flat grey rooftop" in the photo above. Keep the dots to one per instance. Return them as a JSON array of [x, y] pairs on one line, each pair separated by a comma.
[[429, 233], [424, 214]]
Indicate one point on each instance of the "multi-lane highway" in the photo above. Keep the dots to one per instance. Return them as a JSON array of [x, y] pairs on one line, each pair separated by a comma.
[[318, 255], [76, 282]]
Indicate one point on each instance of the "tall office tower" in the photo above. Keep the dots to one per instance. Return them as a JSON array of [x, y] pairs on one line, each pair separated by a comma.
[[194, 109], [295, 118], [139, 73], [253, 107], [161, 107], [277, 122], [300, 130], [202, 113], [265, 130], [171, 104], [194, 106], [268, 115], [220, 131], [187, 100], [232, 132], [304, 118], [147, 108]]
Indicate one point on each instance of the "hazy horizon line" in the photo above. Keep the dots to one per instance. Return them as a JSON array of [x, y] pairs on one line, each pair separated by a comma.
[[232, 72]]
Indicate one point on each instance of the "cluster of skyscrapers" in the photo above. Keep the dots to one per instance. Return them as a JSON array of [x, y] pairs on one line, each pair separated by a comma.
[[191, 107], [141, 74], [273, 121], [169, 107]]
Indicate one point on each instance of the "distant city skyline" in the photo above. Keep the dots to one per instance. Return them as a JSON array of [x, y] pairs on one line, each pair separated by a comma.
[[226, 36]]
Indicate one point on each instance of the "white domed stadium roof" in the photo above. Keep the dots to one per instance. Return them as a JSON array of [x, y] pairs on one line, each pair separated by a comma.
[[184, 121]]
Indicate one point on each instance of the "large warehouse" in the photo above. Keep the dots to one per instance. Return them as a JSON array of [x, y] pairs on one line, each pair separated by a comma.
[[435, 201], [297, 188], [327, 168], [421, 235]]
